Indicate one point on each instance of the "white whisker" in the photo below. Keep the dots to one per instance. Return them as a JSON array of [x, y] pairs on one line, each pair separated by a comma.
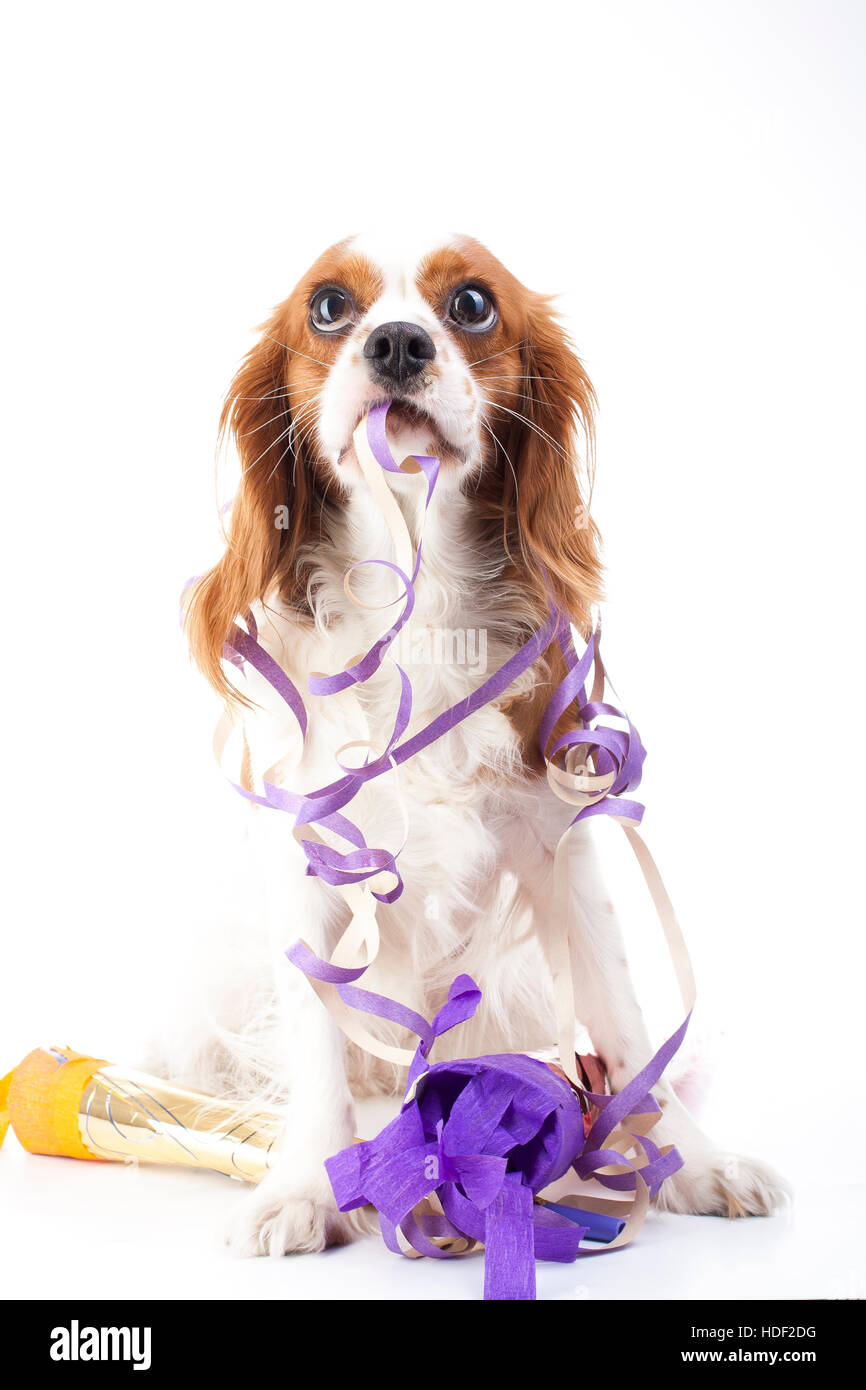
[[478, 361], [498, 442], [542, 434], [267, 450], [296, 351], [265, 423]]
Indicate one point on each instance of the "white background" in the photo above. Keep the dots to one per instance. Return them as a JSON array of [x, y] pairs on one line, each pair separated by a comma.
[[690, 178]]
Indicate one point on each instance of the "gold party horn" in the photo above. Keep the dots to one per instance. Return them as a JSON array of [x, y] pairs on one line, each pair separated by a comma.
[[60, 1102]]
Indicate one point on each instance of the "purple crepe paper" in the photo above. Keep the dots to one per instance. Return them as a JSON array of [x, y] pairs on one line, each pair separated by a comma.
[[484, 1134]]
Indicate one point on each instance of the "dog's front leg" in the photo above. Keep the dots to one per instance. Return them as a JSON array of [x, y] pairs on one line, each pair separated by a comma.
[[711, 1181], [293, 1208]]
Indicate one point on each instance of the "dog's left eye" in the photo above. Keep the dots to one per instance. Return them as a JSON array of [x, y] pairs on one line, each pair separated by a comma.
[[472, 309], [330, 310]]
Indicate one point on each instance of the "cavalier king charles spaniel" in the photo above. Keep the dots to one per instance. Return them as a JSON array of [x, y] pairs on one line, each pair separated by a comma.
[[479, 373]]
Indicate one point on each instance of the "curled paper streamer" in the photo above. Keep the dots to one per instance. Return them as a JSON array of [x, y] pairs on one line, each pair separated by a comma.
[[61, 1102]]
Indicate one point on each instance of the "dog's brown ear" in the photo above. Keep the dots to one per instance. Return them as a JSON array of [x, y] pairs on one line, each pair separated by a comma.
[[271, 514], [556, 531]]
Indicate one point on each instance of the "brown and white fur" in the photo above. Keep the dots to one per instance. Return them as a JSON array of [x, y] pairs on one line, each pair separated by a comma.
[[504, 409]]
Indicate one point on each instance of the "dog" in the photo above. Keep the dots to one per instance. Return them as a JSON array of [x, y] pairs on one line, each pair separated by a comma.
[[480, 374]]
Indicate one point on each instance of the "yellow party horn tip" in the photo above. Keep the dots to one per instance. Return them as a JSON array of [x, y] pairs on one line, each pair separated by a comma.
[[41, 1099]]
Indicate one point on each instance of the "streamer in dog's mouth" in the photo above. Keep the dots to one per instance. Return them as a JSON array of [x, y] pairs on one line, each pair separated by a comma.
[[429, 433]]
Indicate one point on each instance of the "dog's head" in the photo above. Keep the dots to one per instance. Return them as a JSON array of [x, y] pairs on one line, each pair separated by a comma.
[[479, 373]]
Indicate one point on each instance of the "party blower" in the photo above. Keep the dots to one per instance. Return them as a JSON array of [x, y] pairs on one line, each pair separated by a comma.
[[60, 1102]]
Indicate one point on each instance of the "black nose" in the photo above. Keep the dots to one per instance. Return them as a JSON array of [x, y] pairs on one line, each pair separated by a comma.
[[399, 351]]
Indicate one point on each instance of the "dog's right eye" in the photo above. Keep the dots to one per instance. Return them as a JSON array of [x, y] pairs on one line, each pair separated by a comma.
[[330, 310]]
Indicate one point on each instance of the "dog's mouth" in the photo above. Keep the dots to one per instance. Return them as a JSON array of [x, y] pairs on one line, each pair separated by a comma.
[[411, 430]]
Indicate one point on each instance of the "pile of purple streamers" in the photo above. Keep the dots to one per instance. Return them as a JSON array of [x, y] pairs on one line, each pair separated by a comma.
[[485, 1135]]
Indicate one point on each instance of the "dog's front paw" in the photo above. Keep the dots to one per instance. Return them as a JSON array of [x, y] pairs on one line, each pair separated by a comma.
[[284, 1218], [718, 1184], [724, 1186], [712, 1182]]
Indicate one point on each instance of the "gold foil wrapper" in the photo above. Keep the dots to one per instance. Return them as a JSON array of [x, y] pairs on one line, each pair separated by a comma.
[[127, 1115]]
